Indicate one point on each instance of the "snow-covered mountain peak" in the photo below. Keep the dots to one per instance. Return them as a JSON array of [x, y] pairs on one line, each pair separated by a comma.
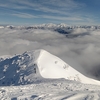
[[1, 26], [34, 66], [50, 26]]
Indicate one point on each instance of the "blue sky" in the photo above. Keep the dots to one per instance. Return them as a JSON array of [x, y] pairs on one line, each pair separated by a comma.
[[30, 12]]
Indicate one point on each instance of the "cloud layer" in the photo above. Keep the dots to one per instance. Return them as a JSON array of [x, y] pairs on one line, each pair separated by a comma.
[[82, 51]]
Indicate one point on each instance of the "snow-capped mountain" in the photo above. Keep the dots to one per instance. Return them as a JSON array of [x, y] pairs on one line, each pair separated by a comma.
[[59, 28], [1, 26], [52, 26], [35, 66]]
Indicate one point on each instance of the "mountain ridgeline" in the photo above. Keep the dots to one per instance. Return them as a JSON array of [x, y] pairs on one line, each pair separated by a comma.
[[36, 66]]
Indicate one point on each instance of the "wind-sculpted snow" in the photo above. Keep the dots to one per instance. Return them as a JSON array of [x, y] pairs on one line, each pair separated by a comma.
[[36, 66], [19, 70]]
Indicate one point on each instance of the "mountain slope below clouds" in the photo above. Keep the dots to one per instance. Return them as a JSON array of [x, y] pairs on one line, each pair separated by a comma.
[[37, 66]]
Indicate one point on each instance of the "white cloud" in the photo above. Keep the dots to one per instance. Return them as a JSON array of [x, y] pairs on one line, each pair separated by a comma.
[[81, 52], [52, 6], [60, 10], [61, 18], [45, 4], [24, 15]]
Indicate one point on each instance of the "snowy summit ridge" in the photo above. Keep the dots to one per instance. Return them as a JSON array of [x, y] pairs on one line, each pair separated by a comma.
[[35, 66]]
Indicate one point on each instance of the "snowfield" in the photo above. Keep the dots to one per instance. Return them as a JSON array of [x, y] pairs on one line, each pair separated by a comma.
[[51, 90]]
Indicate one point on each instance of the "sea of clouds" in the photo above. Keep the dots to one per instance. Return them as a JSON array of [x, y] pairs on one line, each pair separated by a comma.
[[80, 49]]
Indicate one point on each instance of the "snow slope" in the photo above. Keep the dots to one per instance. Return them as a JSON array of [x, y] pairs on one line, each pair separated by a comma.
[[51, 66], [36, 66], [51, 90]]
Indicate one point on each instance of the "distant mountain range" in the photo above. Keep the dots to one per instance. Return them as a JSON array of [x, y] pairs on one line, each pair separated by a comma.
[[50, 26]]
